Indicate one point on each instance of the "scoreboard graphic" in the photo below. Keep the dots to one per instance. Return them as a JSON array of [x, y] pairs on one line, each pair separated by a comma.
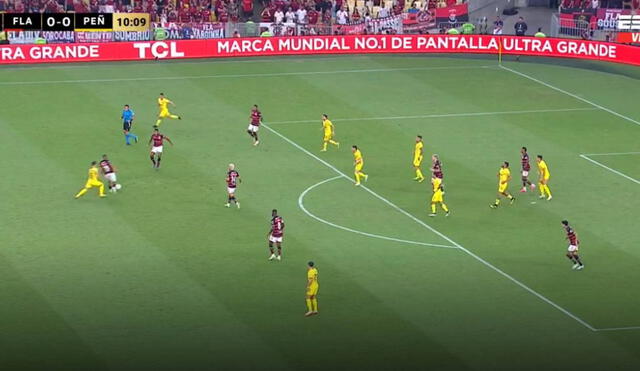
[[75, 22]]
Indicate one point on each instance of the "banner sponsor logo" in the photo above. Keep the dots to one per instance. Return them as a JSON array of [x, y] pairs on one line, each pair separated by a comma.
[[132, 36], [94, 36], [356, 44], [54, 37], [608, 18], [629, 37], [185, 31], [628, 22], [158, 49], [22, 37]]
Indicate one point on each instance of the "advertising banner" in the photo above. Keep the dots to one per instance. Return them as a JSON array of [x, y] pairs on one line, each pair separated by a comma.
[[455, 14], [132, 36], [22, 37], [94, 36], [360, 44], [54, 37], [187, 31], [607, 19], [578, 18]]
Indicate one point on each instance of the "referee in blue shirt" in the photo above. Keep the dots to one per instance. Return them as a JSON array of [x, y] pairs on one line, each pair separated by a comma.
[[127, 121]]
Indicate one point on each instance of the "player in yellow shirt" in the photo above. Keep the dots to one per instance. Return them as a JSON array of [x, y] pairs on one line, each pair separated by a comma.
[[312, 290], [163, 105], [438, 197], [329, 133], [358, 164], [417, 158], [504, 176], [92, 181], [543, 180]]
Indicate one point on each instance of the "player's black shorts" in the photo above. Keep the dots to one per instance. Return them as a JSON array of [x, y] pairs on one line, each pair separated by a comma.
[[126, 125]]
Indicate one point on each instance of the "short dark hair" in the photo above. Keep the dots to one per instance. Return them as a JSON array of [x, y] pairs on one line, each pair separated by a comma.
[[539, 156], [325, 115], [565, 223], [161, 93], [420, 136], [525, 149], [354, 146], [274, 211], [310, 263], [506, 163], [93, 162], [126, 105]]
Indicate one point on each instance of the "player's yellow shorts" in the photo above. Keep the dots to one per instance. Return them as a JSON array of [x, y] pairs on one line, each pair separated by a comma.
[[417, 161], [502, 187], [327, 137], [164, 113], [313, 290], [93, 183], [437, 197], [359, 166]]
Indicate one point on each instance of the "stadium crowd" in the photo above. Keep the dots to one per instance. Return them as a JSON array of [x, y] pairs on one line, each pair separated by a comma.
[[279, 11]]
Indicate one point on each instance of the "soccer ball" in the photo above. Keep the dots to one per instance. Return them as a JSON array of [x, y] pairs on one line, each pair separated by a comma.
[[118, 186]]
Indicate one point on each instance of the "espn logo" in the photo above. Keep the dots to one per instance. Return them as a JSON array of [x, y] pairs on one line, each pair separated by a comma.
[[628, 22]]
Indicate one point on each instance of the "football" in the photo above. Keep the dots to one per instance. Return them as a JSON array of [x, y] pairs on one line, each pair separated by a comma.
[[118, 186]]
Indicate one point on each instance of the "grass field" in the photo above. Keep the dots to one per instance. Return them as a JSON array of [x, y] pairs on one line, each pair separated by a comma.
[[162, 276]]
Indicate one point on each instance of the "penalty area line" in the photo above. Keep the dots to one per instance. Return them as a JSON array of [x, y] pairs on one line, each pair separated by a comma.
[[586, 157], [427, 226], [303, 208]]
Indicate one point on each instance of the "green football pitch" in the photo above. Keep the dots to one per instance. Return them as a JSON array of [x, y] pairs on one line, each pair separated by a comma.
[[162, 276]]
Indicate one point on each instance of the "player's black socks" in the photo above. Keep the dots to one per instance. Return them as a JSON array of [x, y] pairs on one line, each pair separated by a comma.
[[153, 160], [255, 135]]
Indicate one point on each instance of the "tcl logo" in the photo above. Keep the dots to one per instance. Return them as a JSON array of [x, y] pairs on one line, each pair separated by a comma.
[[627, 22], [158, 49]]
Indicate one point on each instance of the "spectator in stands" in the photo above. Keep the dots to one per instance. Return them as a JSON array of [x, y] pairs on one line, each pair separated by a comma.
[[383, 13], [355, 17], [497, 26], [278, 16], [312, 15], [301, 15], [266, 15], [520, 27], [290, 16], [595, 4], [342, 17], [540, 33]]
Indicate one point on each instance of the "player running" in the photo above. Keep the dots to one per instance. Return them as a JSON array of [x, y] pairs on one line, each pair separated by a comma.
[[127, 122], [109, 173], [329, 133], [438, 197], [436, 167], [254, 124], [312, 290], [543, 178], [92, 181], [418, 155], [156, 149], [233, 178], [504, 176], [572, 251], [275, 235], [163, 105], [525, 171], [358, 163]]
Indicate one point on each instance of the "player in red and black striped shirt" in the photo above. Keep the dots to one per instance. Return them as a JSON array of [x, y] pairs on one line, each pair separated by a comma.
[[276, 232], [254, 124], [572, 251], [233, 178], [525, 171]]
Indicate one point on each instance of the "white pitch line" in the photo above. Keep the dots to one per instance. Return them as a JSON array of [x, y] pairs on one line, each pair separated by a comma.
[[571, 95], [301, 73], [610, 169], [478, 258], [442, 115], [301, 205], [611, 154], [619, 328]]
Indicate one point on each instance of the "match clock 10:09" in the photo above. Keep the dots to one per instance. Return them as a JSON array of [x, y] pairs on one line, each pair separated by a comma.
[[131, 22]]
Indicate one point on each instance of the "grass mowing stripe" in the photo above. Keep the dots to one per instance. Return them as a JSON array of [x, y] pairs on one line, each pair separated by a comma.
[[610, 169], [442, 115], [303, 73], [301, 205], [478, 258], [571, 95]]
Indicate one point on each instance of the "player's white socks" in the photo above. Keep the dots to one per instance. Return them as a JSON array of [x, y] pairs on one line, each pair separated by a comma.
[[279, 257], [273, 256]]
